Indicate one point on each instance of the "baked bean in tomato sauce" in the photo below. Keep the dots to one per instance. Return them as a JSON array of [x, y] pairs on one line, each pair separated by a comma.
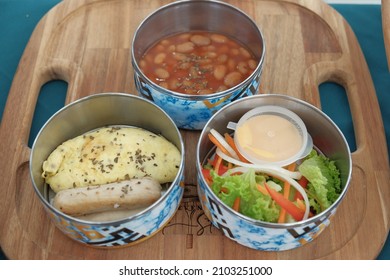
[[198, 63]]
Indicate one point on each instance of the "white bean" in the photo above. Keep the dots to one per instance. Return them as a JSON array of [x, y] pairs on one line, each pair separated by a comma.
[[185, 36], [221, 88], [234, 51], [218, 38], [220, 72], [242, 67], [160, 48], [232, 79], [205, 91], [161, 73], [252, 64], [211, 54], [231, 64], [245, 53], [142, 64], [179, 56], [200, 40], [173, 83], [159, 58], [222, 58], [184, 65], [171, 48], [185, 47], [164, 85], [148, 58]]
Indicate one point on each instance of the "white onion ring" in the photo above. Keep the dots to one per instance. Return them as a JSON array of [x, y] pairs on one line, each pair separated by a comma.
[[268, 168], [223, 142]]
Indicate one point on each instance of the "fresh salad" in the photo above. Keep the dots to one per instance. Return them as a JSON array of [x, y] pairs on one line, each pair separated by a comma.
[[270, 193]]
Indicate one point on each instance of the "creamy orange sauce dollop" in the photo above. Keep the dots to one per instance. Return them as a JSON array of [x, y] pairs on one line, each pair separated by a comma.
[[268, 137]]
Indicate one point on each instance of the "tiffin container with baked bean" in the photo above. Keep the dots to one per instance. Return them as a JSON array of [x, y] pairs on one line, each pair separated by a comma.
[[202, 56]]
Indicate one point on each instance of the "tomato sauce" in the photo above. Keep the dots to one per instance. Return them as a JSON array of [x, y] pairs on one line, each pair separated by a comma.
[[198, 63]]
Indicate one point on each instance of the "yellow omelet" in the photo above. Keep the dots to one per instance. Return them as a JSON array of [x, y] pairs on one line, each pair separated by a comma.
[[111, 154]]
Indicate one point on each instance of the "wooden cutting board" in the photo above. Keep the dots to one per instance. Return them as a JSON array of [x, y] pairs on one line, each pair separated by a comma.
[[87, 43]]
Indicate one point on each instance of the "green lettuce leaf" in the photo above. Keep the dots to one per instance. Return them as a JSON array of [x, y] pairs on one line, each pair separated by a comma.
[[253, 203], [324, 185]]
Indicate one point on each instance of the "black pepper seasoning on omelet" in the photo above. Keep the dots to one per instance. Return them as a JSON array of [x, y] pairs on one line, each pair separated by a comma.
[[111, 154]]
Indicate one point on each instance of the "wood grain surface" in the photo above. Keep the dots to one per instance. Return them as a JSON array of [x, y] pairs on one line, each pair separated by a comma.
[[87, 43]]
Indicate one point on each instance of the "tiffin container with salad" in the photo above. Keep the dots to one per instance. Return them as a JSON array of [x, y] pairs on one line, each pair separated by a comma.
[[272, 170]]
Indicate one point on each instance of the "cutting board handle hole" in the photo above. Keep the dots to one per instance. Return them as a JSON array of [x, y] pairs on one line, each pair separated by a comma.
[[333, 97], [51, 98]]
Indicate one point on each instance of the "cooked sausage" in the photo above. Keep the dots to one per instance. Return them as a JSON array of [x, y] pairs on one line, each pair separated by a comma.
[[130, 194]]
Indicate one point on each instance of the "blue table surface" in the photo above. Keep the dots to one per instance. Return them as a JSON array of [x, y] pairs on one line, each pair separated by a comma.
[[18, 19]]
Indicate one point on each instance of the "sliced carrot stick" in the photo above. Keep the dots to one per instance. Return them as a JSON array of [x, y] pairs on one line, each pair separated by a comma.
[[301, 205], [231, 143], [224, 190], [282, 216], [212, 163], [262, 189], [219, 145], [207, 176], [296, 212], [236, 204], [217, 165], [286, 194], [303, 182]]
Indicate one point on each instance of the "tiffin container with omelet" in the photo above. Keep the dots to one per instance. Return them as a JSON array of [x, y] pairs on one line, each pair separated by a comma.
[[85, 115]]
